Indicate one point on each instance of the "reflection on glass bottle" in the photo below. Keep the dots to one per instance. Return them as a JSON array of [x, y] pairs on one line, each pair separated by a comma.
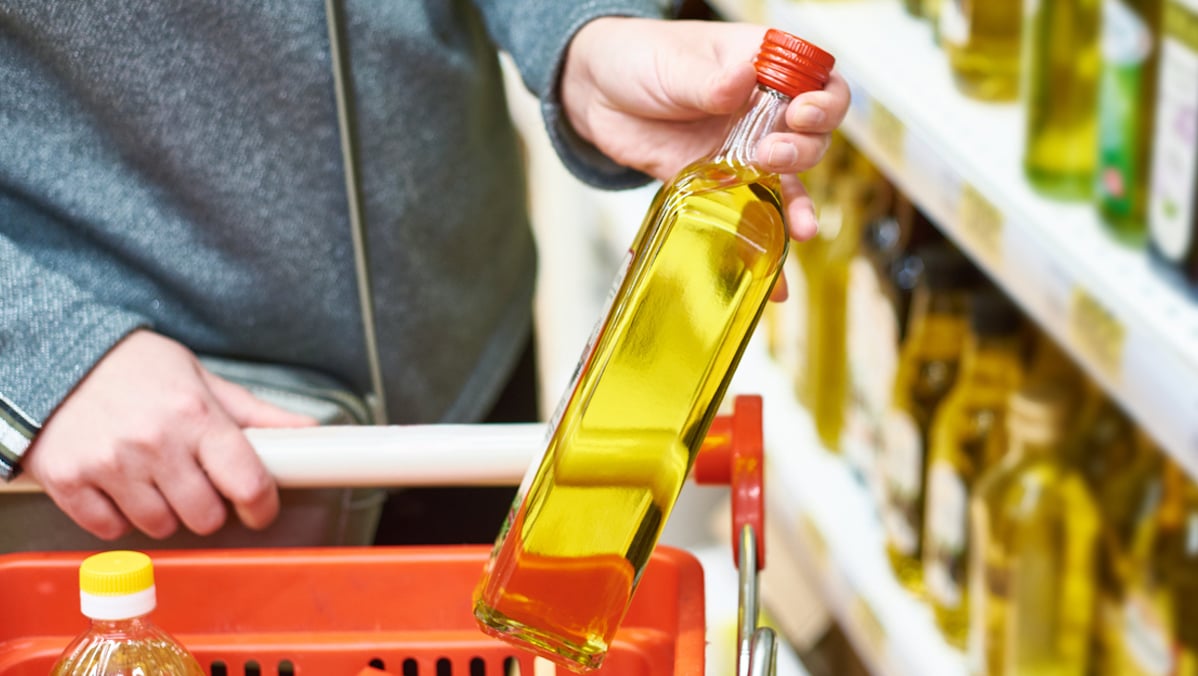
[[1035, 529], [982, 39], [927, 369], [968, 436], [1063, 61]]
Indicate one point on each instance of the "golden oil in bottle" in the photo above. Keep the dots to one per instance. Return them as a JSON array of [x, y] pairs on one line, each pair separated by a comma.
[[1063, 63], [982, 41], [927, 369], [968, 436], [1035, 534], [700, 271]]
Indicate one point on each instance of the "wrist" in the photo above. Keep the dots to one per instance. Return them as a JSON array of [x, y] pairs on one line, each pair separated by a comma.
[[578, 89]]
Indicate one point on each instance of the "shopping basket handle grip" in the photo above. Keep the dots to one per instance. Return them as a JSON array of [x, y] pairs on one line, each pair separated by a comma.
[[490, 454], [734, 454]]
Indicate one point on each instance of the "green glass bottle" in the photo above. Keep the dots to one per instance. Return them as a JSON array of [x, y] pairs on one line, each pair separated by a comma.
[[1127, 114], [1062, 62]]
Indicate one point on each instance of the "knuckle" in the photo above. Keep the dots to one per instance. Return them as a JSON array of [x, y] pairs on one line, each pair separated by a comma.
[[209, 520], [188, 407], [251, 488]]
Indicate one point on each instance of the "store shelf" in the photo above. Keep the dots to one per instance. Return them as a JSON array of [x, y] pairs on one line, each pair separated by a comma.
[[959, 160], [828, 521]]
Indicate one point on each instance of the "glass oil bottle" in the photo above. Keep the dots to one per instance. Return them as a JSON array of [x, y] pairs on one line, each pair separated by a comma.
[[589, 514], [1062, 64], [982, 41], [927, 368], [1035, 527], [1126, 115], [968, 436]]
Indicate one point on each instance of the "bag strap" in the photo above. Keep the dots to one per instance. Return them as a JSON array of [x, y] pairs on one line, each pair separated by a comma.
[[343, 84]]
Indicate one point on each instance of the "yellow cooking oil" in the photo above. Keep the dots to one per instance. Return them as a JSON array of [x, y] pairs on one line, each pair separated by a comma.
[[928, 362], [968, 436], [1063, 63], [982, 39], [1032, 567]]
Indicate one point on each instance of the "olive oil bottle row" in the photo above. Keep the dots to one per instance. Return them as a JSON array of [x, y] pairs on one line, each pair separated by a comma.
[[1109, 91], [1045, 530]]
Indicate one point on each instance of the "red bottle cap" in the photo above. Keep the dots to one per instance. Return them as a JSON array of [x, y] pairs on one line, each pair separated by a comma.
[[792, 65]]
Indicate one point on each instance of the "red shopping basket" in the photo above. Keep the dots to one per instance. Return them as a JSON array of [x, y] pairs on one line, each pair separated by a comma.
[[335, 610]]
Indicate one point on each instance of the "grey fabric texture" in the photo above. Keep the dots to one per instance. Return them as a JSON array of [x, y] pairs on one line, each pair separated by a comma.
[[175, 165]]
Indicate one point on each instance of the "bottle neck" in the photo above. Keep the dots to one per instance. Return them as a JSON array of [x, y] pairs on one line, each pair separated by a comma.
[[937, 323], [126, 625], [992, 362], [765, 115]]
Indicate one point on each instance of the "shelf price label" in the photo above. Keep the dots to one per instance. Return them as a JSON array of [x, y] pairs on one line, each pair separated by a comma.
[[817, 546], [887, 132], [981, 225], [862, 616], [1097, 333]]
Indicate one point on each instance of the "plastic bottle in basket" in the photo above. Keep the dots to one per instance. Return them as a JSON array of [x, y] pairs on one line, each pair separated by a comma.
[[648, 386], [116, 591]]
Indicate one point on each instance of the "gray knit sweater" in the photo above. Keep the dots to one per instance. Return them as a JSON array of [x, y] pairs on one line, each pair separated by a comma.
[[175, 164]]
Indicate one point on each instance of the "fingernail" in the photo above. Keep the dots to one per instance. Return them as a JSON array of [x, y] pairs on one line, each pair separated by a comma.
[[809, 116], [783, 154]]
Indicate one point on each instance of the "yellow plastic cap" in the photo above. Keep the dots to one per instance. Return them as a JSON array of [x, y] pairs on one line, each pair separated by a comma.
[[116, 573]]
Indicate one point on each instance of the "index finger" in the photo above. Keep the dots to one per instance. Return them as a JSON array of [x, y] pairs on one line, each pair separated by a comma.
[[820, 111], [235, 470]]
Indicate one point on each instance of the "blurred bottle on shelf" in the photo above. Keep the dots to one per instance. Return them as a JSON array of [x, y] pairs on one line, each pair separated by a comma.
[[1156, 631], [1173, 199], [860, 195], [1123, 471], [981, 39], [1035, 528], [931, 12], [927, 369], [877, 308], [796, 354], [968, 437], [915, 8], [117, 594], [1126, 114], [1062, 65]]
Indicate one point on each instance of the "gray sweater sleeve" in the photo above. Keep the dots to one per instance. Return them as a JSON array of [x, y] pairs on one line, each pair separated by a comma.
[[45, 319], [536, 33]]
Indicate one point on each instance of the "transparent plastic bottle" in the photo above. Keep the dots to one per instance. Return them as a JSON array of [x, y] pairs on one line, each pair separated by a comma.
[[698, 276], [117, 594]]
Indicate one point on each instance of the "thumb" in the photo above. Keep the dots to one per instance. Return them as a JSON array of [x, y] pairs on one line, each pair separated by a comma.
[[696, 86], [249, 411]]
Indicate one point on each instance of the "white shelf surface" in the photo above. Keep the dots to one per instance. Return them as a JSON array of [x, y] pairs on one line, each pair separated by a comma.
[[960, 161], [828, 521]]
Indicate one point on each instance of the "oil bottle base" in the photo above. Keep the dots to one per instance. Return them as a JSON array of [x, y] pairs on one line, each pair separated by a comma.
[[577, 658]]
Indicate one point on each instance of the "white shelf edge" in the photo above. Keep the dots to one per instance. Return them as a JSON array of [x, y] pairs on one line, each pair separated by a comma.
[[1052, 258]]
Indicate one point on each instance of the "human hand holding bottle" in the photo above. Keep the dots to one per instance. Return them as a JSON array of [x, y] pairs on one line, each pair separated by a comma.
[[150, 439], [657, 95]]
